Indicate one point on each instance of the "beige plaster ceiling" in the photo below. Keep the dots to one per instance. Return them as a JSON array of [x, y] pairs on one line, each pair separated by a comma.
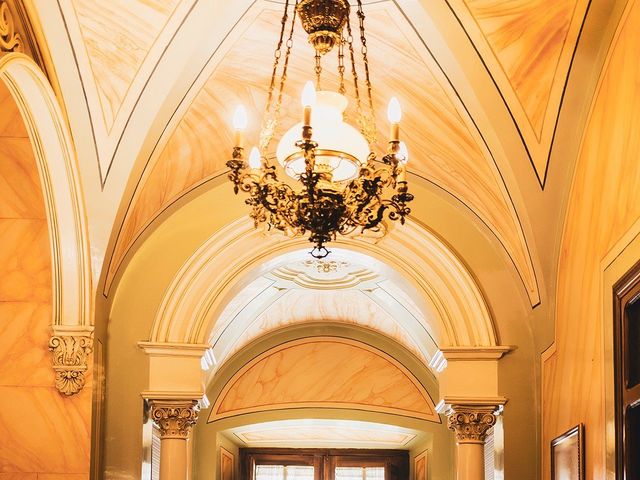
[[350, 288], [324, 433]]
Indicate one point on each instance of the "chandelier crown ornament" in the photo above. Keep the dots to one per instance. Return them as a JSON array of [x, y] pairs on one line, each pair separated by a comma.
[[323, 20], [342, 186]]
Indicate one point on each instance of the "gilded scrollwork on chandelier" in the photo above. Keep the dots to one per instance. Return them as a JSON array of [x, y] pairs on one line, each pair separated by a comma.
[[341, 186], [10, 39]]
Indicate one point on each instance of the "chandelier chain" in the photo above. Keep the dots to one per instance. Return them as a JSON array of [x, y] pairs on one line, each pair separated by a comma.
[[318, 70], [370, 122], [270, 120], [356, 88], [342, 90]]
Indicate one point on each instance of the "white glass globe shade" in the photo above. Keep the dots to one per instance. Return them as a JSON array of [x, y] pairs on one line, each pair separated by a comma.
[[341, 148]]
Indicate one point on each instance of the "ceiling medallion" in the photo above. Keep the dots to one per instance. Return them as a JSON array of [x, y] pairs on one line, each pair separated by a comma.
[[342, 186]]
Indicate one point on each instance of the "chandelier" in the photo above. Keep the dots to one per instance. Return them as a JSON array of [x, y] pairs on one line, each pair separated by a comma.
[[336, 183]]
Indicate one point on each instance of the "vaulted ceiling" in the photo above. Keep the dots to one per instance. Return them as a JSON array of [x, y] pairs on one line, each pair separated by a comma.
[[149, 87]]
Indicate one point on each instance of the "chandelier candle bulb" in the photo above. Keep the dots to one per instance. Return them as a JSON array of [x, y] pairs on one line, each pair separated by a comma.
[[239, 124], [402, 173], [255, 160], [394, 114], [403, 154], [308, 102]]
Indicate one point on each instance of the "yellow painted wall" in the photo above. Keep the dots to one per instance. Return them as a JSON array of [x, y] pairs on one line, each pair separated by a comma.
[[603, 205], [43, 435]]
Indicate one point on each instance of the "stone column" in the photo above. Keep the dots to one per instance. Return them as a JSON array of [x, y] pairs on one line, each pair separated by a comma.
[[174, 418], [470, 424]]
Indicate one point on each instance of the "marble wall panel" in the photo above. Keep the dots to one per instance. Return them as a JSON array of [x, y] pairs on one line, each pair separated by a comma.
[[27, 361], [44, 432], [604, 205], [20, 195], [25, 263]]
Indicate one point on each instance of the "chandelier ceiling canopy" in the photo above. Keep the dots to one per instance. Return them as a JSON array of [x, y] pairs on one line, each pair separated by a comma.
[[337, 184]]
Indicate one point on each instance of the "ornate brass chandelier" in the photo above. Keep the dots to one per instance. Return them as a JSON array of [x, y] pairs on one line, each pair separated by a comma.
[[342, 186]]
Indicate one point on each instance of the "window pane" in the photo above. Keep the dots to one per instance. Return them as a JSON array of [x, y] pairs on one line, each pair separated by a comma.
[[359, 473], [374, 473], [632, 347], [295, 472], [269, 472], [349, 473]]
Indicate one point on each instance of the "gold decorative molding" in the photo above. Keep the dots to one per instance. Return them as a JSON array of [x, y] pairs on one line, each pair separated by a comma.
[[10, 38], [174, 418], [471, 423], [70, 351]]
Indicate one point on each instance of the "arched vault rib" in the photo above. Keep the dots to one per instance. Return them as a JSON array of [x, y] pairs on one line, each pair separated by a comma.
[[208, 280], [452, 155]]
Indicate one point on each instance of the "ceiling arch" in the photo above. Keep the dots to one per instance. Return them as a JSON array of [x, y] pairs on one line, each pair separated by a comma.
[[220, 269], [447, 148], [350, 288]]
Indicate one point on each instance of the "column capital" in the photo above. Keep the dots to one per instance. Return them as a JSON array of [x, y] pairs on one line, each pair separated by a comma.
[[471, 423], [174, 418]]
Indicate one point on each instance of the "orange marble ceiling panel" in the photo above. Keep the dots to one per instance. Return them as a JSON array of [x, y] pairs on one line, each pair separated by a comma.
[[324, 372], [117, 36], [443, 149], [527, 37]]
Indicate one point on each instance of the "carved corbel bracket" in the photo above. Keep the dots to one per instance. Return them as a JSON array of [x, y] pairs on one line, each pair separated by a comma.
[[70, 354], [10, 39]]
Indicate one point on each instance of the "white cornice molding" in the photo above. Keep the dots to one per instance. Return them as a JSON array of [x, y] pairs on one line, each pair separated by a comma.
[[167, 349], [475, 353], [495, 403]]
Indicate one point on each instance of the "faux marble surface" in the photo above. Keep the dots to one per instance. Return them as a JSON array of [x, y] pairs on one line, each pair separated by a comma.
[[24, 336], [48, 433], [117, 37], [328, 372], [604, 205], [449, 155], [25, 265], [20, 195], [347, 306], [527, 37]]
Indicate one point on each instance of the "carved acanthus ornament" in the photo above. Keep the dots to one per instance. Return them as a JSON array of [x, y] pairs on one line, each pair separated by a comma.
[[10, 39], [174, 418], [471, 424], [70, 353]]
